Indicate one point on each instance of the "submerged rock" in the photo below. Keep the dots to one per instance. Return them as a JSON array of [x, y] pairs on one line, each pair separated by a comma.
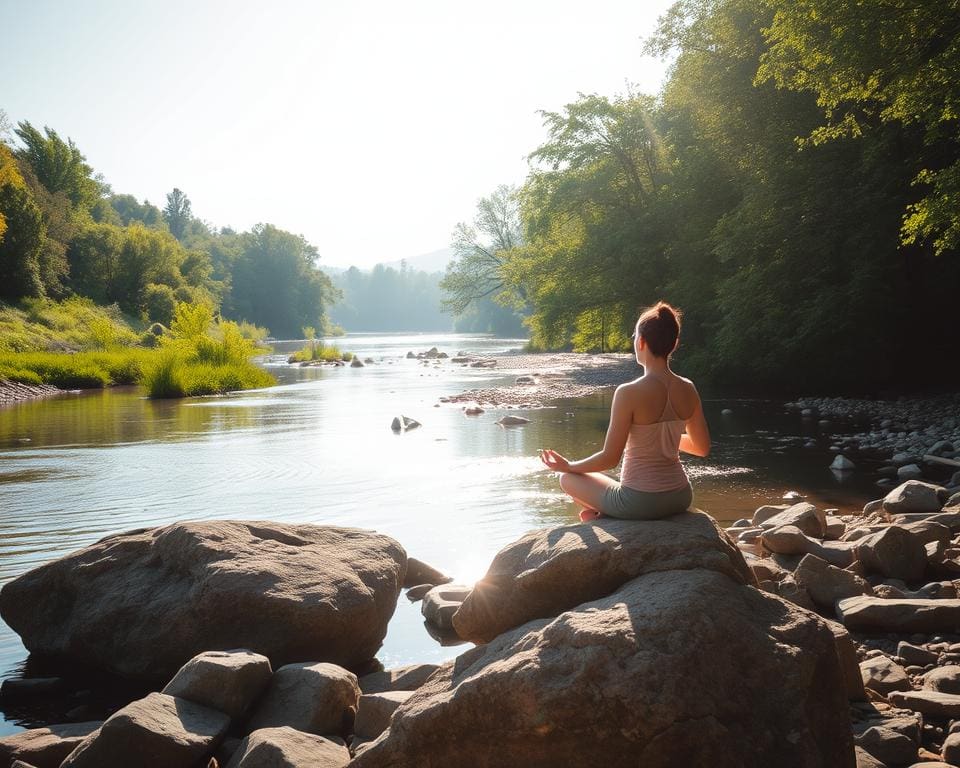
[[673, 669], [143, 603]]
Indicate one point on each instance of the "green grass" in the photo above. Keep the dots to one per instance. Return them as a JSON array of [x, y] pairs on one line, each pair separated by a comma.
[[72, 325], [174, 375], [315, 351], [75, 370]]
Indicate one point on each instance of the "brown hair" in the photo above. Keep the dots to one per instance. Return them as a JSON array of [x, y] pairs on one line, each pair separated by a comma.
[[660, 328]]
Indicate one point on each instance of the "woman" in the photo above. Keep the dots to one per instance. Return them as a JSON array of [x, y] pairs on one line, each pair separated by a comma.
[[653, 418]]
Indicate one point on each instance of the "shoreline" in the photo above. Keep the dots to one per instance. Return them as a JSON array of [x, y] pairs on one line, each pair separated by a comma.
[[12, 392]]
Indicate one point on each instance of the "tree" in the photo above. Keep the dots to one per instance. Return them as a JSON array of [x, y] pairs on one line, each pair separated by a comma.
[[130, 211], [59, 165], [177, 213], [481, 250], [21, 234], [873, 63]]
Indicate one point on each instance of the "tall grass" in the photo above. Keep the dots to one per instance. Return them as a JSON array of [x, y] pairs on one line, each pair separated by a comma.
[[71, 325], [203, 357], [76, 370], [315, 350]]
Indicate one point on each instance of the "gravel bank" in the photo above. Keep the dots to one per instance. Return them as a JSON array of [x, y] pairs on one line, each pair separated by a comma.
[[14, 391]]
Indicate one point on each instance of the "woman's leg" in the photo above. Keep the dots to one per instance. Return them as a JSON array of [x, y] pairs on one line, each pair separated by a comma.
[[587, 490]]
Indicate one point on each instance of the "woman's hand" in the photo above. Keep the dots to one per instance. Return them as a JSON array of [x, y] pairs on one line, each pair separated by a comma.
[[554, 460]]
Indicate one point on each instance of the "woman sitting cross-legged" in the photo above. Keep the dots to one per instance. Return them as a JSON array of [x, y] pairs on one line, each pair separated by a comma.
[[652, 419]]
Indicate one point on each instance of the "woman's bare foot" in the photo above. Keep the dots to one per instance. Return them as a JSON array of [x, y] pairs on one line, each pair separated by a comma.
[[586, 515]]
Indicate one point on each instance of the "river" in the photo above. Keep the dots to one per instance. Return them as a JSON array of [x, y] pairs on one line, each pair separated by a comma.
[[318, 448]]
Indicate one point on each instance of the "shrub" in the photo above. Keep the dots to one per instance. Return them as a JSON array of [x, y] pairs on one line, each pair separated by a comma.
[[160, 303]]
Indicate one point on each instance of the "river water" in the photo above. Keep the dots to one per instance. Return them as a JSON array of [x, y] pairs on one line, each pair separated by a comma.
[[318, 448]]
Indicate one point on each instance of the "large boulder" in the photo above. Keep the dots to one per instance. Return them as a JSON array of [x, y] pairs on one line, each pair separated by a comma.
[[673, 669], [826, 583], [550, 570], [893, 552], [143, 603], [875, 614], [805, 516], [158, 731]]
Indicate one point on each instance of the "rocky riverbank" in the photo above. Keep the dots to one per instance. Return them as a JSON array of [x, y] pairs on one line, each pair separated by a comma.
[[15, 392]]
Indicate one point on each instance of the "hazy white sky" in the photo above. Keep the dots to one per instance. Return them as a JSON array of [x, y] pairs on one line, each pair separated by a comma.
[[370, 127]]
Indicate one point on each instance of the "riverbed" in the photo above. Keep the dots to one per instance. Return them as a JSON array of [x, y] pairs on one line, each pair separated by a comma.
[[318, 448]]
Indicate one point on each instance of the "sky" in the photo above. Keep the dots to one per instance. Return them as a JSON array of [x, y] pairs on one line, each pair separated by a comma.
[[369, 127]]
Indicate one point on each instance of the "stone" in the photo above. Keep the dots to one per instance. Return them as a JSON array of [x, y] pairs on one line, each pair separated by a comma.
[[950, 752], [893, 552], [887, 745], [375, 710], [915, 654], [29, 687], [286, 747], [228, 681], [913, 496], [872, 506], [741, 523], [869, 614], [418, 592], [764, 513], [404, 424], [610, 683], [883, 675], [45, 747], [866, 760], [356, 363], [442, 602], [943, 679], [407, 678], [909, 472], [835, 529], [804, 516], [927, 702], [158, 731], [143, 603], [550, 570], [826, 583], [927, 530], [418, 572], [512, 421], [849, 666], [788, 589], [310, 697], [789, 540], [842, 464], [473, 410]]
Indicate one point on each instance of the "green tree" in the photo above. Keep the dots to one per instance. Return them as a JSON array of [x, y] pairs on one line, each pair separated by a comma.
[[480, 250], [59, 165], [21, 234], [177, 213]]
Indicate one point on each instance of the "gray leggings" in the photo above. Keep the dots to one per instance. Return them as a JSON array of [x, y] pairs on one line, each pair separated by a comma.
[[630, 504]]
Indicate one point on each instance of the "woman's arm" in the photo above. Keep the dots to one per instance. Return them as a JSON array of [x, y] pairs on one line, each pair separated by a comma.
[[696, 440], [621, 416]]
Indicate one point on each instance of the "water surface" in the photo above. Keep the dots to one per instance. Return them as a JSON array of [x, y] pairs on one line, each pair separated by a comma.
[[318, 448]]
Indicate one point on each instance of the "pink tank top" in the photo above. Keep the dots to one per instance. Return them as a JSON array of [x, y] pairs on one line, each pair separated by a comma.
[[651, 458]]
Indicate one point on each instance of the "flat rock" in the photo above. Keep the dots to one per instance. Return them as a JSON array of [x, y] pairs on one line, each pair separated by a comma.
[[913, 496], [915, 654], [228, 681], [926, 702], [407, 678], [927, 530], [790, 540], [418, 572], [552, 569], [442, 602], [874, 614], [375, 710], [805, 516], [888, 746], [143, 603], [883, 675], [866, 760], [313, 698], [826, 583], [286, 747], [666, 671], [45, 747], [158, 731], [764, 513]]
